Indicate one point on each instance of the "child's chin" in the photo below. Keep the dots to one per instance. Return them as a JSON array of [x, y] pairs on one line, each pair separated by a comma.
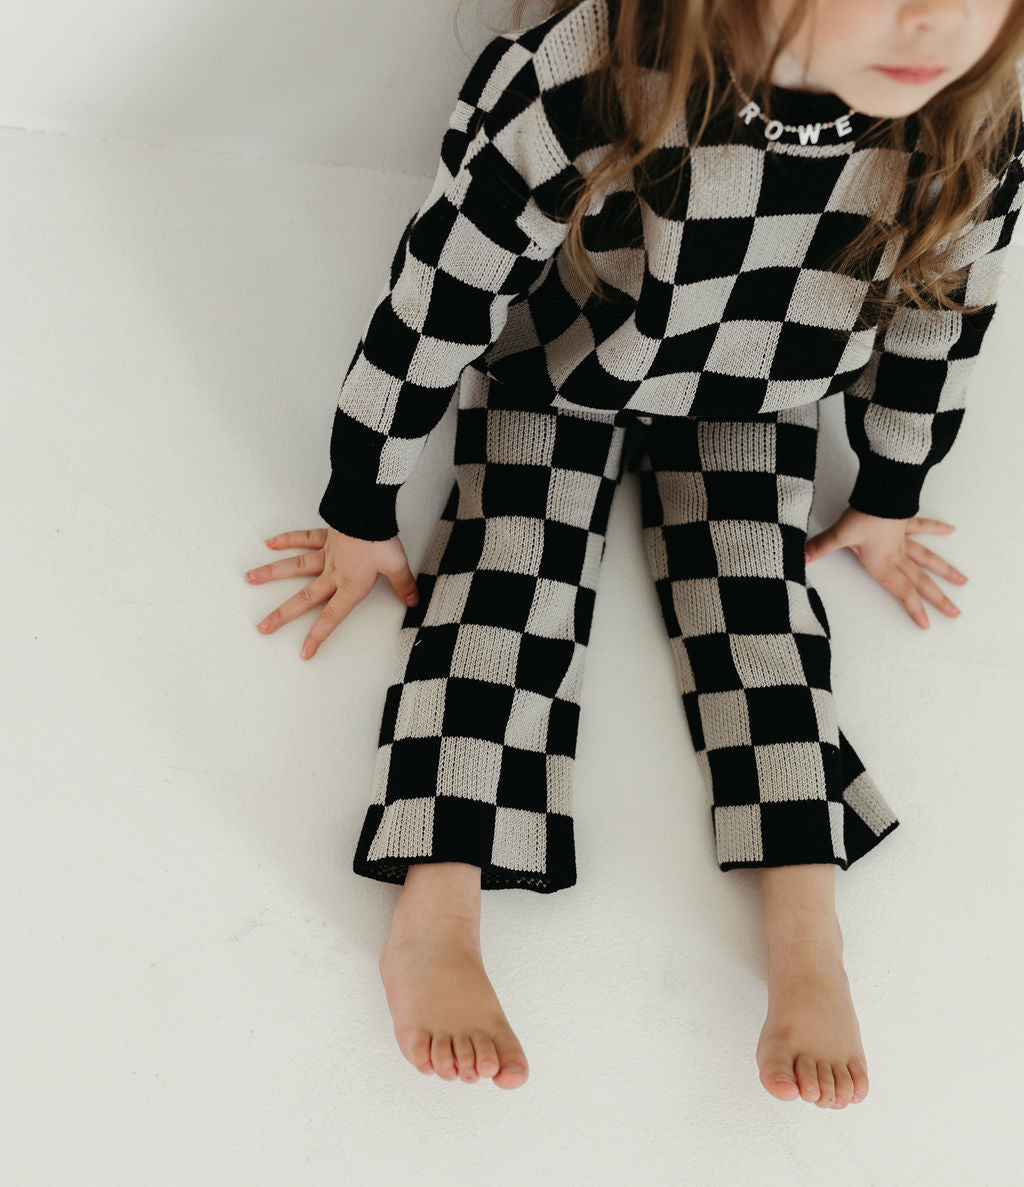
[[890, 109]]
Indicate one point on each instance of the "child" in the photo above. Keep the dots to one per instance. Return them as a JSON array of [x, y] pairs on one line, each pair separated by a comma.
[[740, 158]]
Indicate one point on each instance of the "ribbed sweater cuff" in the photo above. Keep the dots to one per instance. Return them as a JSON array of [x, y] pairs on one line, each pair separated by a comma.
[[367, 512], [888, 489]]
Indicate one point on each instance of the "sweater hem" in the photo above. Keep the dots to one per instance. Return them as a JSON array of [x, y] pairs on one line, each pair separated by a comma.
[[887, 489], [366, 512]]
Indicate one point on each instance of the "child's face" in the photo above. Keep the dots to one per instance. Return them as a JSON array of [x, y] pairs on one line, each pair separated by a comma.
[[843, 42]]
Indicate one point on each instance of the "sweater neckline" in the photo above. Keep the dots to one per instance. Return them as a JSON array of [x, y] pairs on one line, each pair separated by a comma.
[[794, 106]]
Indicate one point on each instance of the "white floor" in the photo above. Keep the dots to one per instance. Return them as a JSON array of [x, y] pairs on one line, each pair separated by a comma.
[[191, 992]]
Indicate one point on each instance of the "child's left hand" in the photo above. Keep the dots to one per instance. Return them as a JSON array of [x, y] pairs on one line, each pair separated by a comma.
[[897, 563]]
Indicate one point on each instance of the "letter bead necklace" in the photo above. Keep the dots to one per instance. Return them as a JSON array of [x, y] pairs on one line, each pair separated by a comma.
[[773, 129]]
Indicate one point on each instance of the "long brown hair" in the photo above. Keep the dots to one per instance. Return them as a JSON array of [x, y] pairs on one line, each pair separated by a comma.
[[969, 135]]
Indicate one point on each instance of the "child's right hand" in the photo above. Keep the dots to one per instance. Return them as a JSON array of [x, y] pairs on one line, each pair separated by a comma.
[[345, 569]]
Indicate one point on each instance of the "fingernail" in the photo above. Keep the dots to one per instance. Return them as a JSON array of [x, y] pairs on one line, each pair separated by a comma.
[[411, 600], [272, 540]]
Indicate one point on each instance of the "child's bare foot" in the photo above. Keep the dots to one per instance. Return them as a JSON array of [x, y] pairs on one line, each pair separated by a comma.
[[811, 1037], [447, 1017]]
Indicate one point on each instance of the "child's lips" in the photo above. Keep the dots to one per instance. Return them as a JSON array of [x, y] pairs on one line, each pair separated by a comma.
[[912, 75]]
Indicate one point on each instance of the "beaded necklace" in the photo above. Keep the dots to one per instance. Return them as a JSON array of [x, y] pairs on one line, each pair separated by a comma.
[[773, 129]]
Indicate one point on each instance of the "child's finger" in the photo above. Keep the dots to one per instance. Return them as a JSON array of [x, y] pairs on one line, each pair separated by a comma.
[[929, 525], [934, 594], [915, 608], [307, 564], [918, 582], [305, 538], [897, 579], [335, 612], [931, 560], [310, 595]]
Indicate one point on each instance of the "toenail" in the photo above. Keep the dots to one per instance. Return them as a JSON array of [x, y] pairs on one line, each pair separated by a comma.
[[513, 1067]]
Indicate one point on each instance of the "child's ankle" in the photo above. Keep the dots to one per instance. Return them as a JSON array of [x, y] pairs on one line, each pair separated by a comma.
[[440, 888], [785, 925]]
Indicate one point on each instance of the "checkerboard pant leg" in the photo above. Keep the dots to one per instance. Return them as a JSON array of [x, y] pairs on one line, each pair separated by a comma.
[[478, 735], [725, 507]]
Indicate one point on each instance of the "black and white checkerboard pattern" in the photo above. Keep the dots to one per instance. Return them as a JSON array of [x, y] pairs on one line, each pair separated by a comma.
[[478, 733], [480, 240], [725, 507], [726, 305]]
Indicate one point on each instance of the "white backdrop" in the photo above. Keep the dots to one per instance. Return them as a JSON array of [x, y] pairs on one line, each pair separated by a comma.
[[359, 84], [198, 207]]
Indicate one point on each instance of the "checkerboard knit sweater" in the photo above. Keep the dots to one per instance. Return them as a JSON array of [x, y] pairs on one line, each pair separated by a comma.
[[724, 306]]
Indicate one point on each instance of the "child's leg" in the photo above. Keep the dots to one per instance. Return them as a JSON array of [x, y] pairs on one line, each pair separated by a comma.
[[725, 507], [479, 726]]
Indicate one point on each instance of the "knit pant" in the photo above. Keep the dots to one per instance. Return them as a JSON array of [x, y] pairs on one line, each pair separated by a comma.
[[478, 736]]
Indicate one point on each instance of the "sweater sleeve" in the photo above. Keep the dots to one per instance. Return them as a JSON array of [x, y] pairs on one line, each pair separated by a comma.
[[903, 412], [493, 217]]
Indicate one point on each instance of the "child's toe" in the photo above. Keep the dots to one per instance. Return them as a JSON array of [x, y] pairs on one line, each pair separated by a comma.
[[513, 1070], [860, 1079], [828, 1085], [465, 1058], [777, 1076], [417, 1051], [442, 1056], [844, 1084], [807, 1077], [487, 1062]]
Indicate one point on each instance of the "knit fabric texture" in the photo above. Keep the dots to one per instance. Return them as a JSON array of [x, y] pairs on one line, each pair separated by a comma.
[[723, 304]]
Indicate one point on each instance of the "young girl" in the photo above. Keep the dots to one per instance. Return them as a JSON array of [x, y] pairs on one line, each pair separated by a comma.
[[661, 232]]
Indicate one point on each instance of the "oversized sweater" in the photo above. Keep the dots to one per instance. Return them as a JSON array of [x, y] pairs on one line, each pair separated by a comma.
[[724, 306]]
